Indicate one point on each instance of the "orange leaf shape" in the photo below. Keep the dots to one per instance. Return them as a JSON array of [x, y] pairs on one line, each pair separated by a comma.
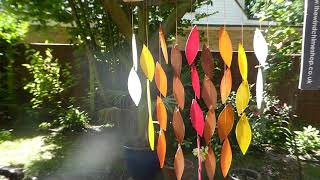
[[178, 92], [209, 126], [161, 148], [209, 93], [225, 122], [176, 60], [207, 61], [179, 163], [163, 44], [226, 157], [161, 114], [161, 79], [210, 164], [225, 47], [178, 125], [225, 85]]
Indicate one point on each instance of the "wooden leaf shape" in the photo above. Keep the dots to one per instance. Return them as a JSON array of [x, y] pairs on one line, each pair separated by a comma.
[[196, 116], [176, 60], [242, 97], [210, 163], [260, 47], [151, 133], [192, 46], [226, 157], [259, 88], [161, 79], [195, 81], [179, 163], [134, 86], [225, 122], [178, 125], [161, 148], [134, 52], [225, 85], [178, 91], [242, 61], [147, 63], [207, 61], [243, 133], [225, 47], [161, 114], [163, 45], [209, 126], [209, 93]]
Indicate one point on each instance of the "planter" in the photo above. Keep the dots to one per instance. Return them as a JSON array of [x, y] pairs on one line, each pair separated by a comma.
[[169, 174], [244, 174], [142, 163]]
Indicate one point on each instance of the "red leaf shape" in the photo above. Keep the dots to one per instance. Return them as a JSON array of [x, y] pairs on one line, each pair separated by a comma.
[[207, 61], [209, 126], [161, 113], [195, 81], [178, 125], [179, 163], [178, 91], [210, 164], [176, 60], [226, 157], [225, 85], [192, 46], [196, 116], [161, 148]]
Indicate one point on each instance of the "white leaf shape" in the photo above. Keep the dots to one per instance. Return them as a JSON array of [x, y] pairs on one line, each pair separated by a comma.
[[260, 47], [259, 88], [134, 52], [134, 86]]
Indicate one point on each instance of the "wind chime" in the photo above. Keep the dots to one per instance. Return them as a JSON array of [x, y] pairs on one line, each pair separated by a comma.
[[204, 126]]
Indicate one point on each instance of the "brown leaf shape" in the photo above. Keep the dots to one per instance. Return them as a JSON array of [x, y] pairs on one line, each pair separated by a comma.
[[179, 163], [225, 122], [176, 60], [207, 61], [226, 157], [161, 114], [178, 91], [210, 164], [209, 93], [225, 46], [226, 85], [209, 126], [161, 79], [163, 44], [161, 148], [178, 125]]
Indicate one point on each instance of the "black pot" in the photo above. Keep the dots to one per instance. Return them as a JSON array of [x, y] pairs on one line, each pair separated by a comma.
[[244, 174], [142, 163]]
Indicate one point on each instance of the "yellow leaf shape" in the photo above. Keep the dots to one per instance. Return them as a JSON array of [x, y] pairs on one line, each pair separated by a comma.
[[226, 157], [243, 133], [242, 61], [147, 63], [163, 44], [161, 148], [225, 122], [161, 114], [151, 133], [225, 47], [161, 79], [242, 97], [149, 98], [225, 85]]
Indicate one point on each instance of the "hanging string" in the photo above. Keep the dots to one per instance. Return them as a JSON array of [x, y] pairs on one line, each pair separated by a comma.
[[131, 7], [176, 21], [147, 15], [208, 43], [242, 22], [159, 51]]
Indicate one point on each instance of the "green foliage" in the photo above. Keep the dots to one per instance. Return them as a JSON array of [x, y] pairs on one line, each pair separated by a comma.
[[73, 120], [307, 141], [12, 29], [5, 135]]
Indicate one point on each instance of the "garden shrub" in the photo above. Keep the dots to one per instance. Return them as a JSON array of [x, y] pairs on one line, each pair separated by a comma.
[[72, 120]]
